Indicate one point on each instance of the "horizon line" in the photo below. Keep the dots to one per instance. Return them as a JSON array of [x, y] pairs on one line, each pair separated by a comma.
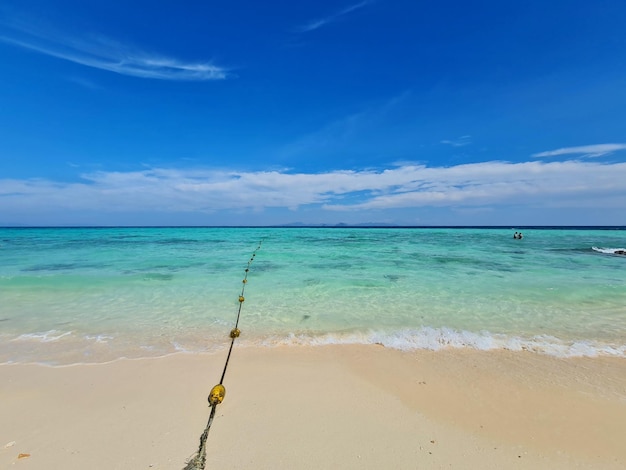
[[339, 225]]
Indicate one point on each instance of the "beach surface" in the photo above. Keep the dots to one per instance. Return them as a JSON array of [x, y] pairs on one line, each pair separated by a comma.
[[341, 406]]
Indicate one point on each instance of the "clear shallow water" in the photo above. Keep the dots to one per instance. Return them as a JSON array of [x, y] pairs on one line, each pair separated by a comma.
[[96, 294]]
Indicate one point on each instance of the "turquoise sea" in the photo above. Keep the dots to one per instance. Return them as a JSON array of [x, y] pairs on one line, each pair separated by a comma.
[[85, 295]]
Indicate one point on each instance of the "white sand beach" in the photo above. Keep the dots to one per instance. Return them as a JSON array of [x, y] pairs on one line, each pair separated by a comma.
[[334, 407]]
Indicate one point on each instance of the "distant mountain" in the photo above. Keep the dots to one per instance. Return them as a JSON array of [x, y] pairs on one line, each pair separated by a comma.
[[340, 224]]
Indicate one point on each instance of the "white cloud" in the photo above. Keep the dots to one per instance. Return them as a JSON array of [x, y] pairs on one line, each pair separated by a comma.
[[480, 185], [586, 150], [316, 24], [104, 54]]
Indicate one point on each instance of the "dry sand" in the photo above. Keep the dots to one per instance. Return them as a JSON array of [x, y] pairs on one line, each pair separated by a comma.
[[331, 407]]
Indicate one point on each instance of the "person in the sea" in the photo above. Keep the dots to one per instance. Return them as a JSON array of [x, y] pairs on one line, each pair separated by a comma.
[[520, 236], [515, 235]]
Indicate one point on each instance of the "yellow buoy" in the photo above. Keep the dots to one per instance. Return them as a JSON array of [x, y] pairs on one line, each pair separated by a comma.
[[217, 395], [241, 299], [235, 332]]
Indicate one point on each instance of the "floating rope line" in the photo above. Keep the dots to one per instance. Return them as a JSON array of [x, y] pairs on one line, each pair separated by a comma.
[[218, 392]]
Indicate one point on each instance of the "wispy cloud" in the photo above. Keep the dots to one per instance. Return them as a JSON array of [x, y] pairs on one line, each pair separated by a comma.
[[90, 85], [490, 184], [589, 151], [350, 131], [105, 54], [460, 142], [318, 23]]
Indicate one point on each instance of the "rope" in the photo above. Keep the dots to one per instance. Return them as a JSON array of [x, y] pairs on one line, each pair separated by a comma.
[[218, 392]]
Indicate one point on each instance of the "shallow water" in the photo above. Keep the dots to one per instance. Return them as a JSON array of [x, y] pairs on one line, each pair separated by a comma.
[[94, 294]]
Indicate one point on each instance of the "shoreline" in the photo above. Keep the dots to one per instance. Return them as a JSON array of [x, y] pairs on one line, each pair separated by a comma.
[[344, 406], [60, 351]]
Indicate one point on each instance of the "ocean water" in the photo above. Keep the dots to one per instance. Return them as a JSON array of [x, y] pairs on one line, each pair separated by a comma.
[[88, 295]]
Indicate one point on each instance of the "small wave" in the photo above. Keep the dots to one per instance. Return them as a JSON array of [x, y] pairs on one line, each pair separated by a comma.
[[180, 348], [44, 337], [99, 338], [435, 339], [609, 251]]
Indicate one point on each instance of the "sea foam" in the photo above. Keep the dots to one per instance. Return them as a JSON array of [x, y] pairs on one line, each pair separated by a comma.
[[436, 339]]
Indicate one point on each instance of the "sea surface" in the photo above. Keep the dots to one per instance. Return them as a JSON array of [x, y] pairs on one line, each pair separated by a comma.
[[89, 295]]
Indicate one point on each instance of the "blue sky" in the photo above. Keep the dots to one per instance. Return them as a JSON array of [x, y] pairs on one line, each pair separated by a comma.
[[314, 112]]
